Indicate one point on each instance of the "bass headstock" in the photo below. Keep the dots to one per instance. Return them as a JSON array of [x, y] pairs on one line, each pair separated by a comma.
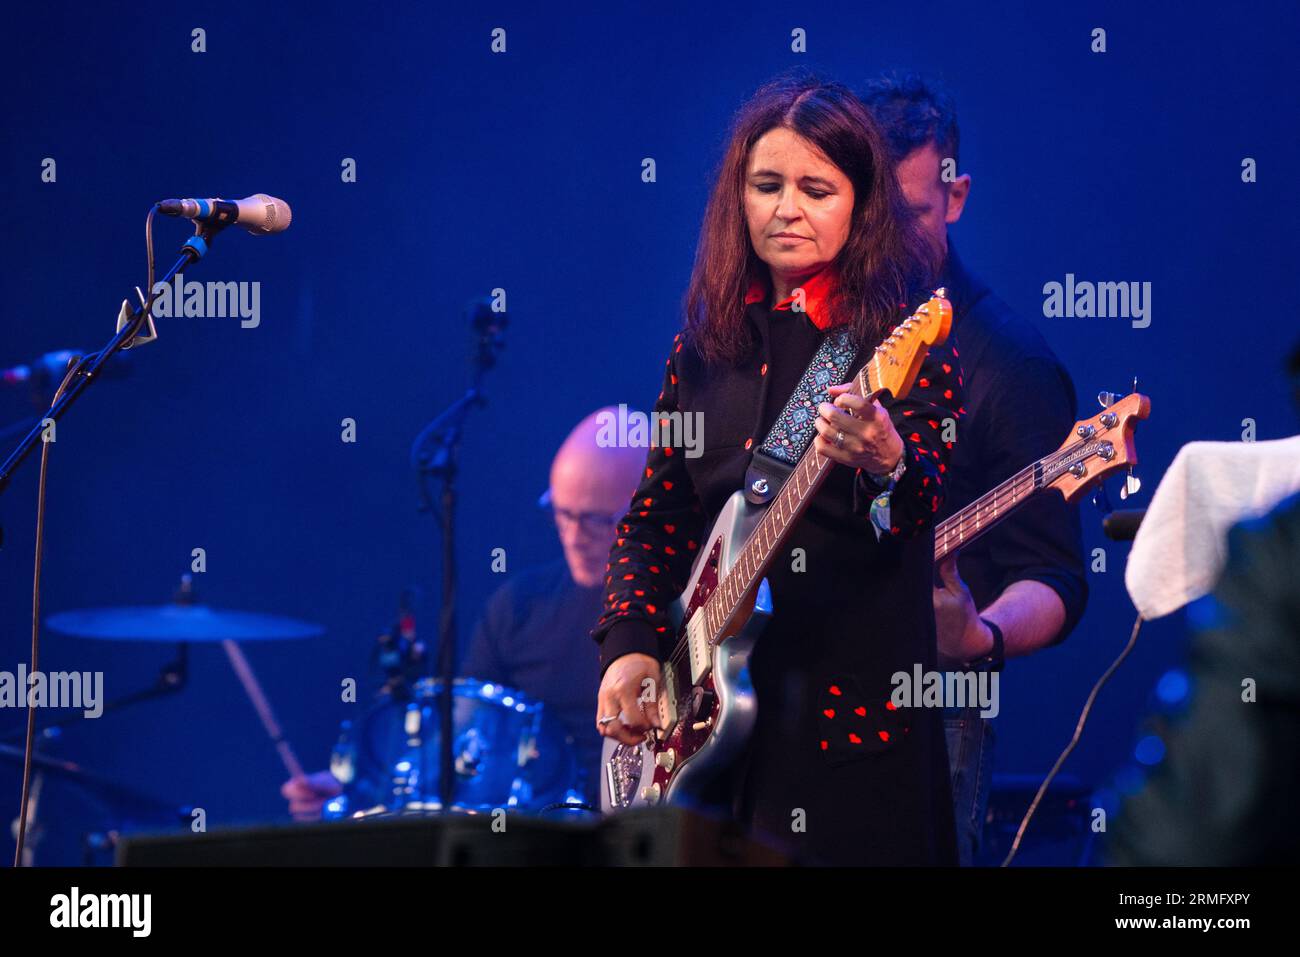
[[1097, 447]]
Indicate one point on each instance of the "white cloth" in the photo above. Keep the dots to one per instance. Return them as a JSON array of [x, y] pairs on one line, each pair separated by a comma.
[[1181, 545]]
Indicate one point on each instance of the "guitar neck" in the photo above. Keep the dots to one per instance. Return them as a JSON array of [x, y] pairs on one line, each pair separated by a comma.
[[892, 367], [981, 515], [774, 527], [984, 513]]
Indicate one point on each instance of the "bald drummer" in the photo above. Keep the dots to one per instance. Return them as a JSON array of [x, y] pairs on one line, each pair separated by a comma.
[[534, 635]]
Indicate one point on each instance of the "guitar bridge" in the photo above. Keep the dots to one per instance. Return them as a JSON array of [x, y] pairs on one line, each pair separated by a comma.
[[623, 774]]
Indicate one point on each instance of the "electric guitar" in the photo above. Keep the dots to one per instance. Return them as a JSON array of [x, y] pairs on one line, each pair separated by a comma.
[[709, 724], [706, 704]]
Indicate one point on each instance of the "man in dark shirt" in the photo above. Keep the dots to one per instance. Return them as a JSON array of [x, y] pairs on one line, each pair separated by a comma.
[[533, 635], [1022, 586]]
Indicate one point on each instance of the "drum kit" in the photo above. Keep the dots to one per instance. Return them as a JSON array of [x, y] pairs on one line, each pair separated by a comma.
[[509, 752]]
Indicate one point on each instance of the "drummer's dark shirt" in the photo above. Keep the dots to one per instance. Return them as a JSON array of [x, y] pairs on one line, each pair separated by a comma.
[[534, 637]]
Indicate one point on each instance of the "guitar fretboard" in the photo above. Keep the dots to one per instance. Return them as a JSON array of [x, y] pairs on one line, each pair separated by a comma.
[[986, 511]]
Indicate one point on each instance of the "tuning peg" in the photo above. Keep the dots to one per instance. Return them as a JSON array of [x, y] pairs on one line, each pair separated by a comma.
[[1132, 485], [1107, 399]]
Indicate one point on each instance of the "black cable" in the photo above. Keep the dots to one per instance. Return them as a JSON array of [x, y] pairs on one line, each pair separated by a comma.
[[1078, 732], [74, 366]]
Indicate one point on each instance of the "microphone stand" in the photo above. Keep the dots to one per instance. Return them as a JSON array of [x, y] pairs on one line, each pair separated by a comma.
[[84, 371], [191, 252], [434, 456]]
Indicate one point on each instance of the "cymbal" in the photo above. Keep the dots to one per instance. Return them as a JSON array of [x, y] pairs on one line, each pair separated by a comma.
[[173, 623]]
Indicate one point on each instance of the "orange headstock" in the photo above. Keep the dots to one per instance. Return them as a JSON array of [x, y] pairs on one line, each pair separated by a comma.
[[895, 363], [1096, 447]]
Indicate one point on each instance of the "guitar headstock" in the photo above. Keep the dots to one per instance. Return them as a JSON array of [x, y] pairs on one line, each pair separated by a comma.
[[1096, 447], [895, 363]]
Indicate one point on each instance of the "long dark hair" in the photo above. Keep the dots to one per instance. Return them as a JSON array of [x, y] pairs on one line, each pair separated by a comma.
[[884, 259]]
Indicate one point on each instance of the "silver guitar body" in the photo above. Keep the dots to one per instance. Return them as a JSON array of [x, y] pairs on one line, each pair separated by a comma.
[[628, 772]]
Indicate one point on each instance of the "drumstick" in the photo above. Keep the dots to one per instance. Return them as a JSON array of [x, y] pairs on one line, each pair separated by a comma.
[[263, 707]]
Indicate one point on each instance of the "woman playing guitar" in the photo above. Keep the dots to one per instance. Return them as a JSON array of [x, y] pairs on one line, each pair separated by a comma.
[[806, 234]]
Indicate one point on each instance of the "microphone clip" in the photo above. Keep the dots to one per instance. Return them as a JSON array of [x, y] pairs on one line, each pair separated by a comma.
[[148, 332]]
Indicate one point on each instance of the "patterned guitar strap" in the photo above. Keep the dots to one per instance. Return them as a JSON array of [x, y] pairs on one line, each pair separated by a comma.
[[794, 429]]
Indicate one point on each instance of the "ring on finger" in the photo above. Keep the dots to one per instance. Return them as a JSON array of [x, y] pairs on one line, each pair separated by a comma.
[[839, 439]]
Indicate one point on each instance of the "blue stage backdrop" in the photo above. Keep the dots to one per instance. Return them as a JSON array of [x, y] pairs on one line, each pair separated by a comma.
[[522, 170]]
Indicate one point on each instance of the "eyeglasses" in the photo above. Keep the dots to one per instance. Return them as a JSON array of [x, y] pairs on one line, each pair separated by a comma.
[[592, 523]]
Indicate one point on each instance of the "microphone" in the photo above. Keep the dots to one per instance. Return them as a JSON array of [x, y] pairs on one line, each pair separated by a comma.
[[259, 214]]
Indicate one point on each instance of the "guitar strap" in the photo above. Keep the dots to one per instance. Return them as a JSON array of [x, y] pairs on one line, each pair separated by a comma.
[[795, 428]]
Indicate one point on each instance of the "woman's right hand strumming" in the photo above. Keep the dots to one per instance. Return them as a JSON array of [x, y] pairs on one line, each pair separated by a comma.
[[626, 705]]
